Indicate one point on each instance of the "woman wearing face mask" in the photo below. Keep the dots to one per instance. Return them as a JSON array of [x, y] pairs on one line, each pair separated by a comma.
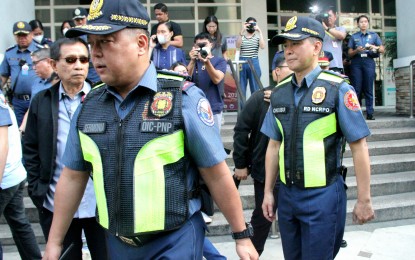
[[38, 33], [66, 25], [249, 41], [211, 26], [163, 54]]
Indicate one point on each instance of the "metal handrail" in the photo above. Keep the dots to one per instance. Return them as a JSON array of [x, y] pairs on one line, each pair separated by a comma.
[[411, 89]]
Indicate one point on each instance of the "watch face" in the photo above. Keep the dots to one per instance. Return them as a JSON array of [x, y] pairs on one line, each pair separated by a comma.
[[247, 233]]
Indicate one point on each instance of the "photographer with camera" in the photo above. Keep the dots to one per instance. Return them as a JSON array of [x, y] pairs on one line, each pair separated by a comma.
[[333, 38], [249, 41], [208, 72]]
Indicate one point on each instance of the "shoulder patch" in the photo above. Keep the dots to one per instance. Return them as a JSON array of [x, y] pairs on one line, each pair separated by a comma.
[[350, 101], [205, 112]]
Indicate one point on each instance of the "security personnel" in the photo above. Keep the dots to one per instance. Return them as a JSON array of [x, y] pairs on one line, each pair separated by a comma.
[[17, 64], [364, 46], [144, 141], [310, 114]]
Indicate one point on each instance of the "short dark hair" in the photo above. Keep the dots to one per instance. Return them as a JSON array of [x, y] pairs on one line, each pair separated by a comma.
[[168, 25], [250, 19], [202, 36], [176, 64], [36, 24], [162, 7], [55, 49], [330, 8], [70, 22], [362, 16]]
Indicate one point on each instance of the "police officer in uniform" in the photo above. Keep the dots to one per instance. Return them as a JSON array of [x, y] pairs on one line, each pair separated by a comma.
[[364, 46], [310, 114], [17, 64], [143, 137]]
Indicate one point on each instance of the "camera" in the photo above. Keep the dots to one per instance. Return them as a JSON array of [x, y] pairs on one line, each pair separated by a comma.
[[322, 17], [251, 27], [203, 52]]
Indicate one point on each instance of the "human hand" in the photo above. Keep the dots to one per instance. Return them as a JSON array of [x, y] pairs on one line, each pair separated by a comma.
[[268, 206], [52, 251], [194, 53], [245, 249], [363, 212], [267, 95], [241, 174]]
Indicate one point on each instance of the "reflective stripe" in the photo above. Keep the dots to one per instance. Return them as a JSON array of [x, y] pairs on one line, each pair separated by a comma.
[[285, 81], [314, 152], [91, 154], [173, 77], [149, 182], [281, 154], [330, 77]]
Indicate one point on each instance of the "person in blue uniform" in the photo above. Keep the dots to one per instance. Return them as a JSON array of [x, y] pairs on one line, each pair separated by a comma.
[[364, 47], [145, 138], [311, 113], [17, 64]]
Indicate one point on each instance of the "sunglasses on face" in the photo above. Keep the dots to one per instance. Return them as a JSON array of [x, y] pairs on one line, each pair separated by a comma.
[[72, 60]]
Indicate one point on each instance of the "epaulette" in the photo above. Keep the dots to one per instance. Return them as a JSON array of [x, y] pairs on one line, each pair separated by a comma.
[[285, 80], [331, 76], [40, 46], [11, 47], [165, 74]]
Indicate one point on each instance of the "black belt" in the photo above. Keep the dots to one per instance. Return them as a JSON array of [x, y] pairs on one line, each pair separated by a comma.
[[141, 240], [22, 97], [298, 178]]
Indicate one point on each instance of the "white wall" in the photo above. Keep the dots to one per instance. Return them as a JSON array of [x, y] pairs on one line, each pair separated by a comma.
[[258, 9], [405, 11], [11, 12]]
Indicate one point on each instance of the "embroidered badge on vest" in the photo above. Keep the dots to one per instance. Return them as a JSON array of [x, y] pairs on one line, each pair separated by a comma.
[[156, 126], [162, 104], [280, 110], [205, 112], [319, 94], [351, 101], [318, 110], [98, 128]]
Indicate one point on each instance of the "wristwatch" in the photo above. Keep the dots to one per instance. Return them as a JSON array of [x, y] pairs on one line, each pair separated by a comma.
[[248, 232]]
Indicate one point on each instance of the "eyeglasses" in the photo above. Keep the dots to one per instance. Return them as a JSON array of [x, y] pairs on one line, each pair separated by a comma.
[[37, 62], [72, 60]]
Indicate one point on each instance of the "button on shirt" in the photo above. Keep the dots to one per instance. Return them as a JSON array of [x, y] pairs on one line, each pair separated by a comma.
[[352, 123], [67, 107], [10, 68], [361, 39], [203, 142]]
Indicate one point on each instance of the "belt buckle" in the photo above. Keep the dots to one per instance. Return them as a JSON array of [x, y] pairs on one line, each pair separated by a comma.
[[363, 55]]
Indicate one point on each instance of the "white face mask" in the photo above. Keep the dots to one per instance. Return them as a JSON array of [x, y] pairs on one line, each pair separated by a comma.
[[162, 39], [38, 38], [64, 31]]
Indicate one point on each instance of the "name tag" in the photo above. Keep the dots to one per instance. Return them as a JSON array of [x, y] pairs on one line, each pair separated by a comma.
[[280, 110], [318, 110], [97, 128], [156, 126], [363, 55]]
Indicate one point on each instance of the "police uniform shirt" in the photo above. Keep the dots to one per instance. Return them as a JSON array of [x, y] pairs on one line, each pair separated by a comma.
[[10, 67], [351, 122], [202, 141], [14, 171], [40, 85], [361, 39]]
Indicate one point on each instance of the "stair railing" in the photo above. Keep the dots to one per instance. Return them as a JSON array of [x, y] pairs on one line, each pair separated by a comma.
[[411, 89]]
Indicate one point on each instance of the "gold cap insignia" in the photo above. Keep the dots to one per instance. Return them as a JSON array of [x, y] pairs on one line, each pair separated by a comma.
[[20, 25], [291, 24], [95, 9], [319, 94]]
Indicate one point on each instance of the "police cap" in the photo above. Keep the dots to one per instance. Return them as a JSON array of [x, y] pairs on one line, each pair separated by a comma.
[[109, 16], [21, 28], [299, 28]]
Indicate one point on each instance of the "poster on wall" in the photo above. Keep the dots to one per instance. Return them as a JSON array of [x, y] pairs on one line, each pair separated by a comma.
[[389, 87], [230, 94]]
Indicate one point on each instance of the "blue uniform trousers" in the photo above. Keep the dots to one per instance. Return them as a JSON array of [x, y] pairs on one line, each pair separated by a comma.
[[184, 243], [362, 75], [312, 221], [20, 107]]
